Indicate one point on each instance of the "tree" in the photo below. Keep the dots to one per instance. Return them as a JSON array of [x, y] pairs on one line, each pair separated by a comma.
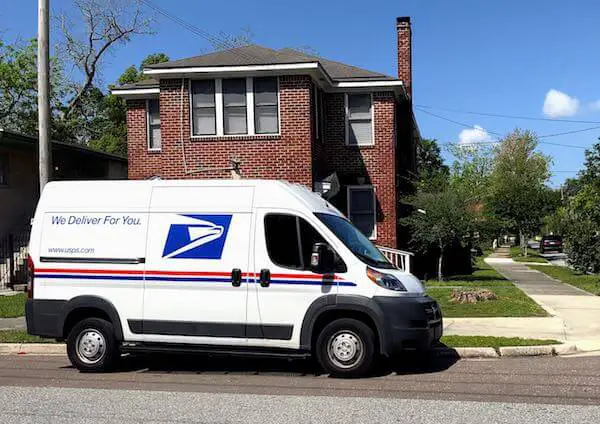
[[18, 86], [133, 74], [107, 23], [517, 184], [581, 216], [432, 170], [440, 219]]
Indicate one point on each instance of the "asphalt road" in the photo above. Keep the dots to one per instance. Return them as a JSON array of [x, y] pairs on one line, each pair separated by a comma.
[[205, 390]]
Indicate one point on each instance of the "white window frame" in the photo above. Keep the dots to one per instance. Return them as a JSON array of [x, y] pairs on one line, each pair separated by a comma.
[[348, 203], [152, 149], [219, 111], [347, 121]]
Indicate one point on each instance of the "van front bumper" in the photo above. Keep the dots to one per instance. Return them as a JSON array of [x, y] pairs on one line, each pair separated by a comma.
[[410, 323]]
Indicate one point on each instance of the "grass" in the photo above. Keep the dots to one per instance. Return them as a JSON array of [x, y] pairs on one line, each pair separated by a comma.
[[588, 282], [21, 336], [483, 276], [511, 302], [532, 255], [495, 342], [12, 306]]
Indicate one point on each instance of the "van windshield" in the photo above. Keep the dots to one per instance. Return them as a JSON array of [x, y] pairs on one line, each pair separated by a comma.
[[354, 240]]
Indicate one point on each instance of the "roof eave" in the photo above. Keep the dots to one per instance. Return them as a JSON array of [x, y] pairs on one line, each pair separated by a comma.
[[136, 93]]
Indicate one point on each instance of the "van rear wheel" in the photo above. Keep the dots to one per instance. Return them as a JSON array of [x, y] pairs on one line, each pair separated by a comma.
[[92, 346], [346, 348]]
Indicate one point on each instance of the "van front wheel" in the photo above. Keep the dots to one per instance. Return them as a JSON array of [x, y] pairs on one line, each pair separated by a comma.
[[346, 348], [92, 346]]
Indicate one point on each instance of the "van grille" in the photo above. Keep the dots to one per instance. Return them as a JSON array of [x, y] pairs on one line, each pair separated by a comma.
[[434, 314]]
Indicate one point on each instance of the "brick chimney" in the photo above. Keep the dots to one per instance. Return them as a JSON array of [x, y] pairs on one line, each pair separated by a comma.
[[405, 52]]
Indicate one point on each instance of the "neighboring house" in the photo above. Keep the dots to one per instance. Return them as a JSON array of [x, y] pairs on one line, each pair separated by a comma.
[[255, 112], [19, 186]]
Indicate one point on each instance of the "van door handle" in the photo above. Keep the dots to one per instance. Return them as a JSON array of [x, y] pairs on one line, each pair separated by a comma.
[[265, 277], [236, 277]]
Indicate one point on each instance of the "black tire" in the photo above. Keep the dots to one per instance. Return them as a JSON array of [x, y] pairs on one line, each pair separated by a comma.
[[348, 336], [95, 335]]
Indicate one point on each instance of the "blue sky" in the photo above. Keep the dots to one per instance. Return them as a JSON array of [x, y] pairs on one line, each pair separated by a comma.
[[482, 56]]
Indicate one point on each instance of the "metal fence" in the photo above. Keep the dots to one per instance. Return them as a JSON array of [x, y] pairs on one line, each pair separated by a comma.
[[13, 258]]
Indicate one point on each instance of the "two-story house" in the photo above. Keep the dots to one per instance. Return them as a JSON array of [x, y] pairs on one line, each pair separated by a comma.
[[255, 112]]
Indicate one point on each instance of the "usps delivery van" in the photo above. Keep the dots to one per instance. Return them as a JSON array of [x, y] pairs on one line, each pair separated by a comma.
[[227, 266]]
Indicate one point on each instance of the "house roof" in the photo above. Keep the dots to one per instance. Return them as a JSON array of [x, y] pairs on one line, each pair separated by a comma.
[[258, 55], [7, 136], [146, 83]]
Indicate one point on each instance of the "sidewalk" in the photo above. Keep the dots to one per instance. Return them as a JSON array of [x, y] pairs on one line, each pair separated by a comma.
[[575, 312], [12, 323]]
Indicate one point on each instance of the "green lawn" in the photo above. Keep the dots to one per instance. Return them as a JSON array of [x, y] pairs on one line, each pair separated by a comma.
[[588, 282], [532, 255], [483, 275], [511, 302], [21, 336], [495, 342], [12, 306]]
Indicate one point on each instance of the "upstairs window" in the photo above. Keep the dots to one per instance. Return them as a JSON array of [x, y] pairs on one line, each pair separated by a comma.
[[153, 119], [266, 106], [359, 119], [234, 106], [204, 111], [362, 209]]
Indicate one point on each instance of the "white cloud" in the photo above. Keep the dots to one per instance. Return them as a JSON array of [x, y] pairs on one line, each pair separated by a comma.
[[559, 104], [473, 135], [595, 105]]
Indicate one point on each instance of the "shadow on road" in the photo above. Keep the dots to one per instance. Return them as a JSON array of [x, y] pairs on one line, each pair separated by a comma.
[[205, 364]]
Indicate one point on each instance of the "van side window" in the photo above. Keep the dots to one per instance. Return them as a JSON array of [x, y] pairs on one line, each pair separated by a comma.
[[290, 240]]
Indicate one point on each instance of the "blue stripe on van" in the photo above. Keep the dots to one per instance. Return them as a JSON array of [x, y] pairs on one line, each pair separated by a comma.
[[186, 279]]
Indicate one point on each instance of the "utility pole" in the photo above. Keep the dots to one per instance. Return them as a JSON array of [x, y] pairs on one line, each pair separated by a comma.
[[45, 153]]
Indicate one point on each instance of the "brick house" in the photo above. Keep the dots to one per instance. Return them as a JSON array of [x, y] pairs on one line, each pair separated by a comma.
[[255, 112]]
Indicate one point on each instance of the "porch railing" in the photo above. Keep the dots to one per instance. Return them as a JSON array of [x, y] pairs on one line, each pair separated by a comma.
[[399, 258]]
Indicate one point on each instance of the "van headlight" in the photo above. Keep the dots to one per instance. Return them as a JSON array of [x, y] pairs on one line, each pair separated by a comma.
[[387, 281]]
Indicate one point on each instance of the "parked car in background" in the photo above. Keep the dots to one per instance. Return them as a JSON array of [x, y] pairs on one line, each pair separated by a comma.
[[551, 243]]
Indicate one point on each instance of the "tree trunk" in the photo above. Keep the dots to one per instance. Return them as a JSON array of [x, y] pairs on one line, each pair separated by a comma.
[[523, 243], [440, 262]]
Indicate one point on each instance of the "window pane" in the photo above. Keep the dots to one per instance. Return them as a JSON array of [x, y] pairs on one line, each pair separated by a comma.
[[359, 106], [365, 223], [266, 120], [155, 141], [361, 200], [204, 121], [234, 92], [234, 120], [265, 91], [309, 236], [153, 111], [281, 237], [360, 132], [362, 210], [203, 93]]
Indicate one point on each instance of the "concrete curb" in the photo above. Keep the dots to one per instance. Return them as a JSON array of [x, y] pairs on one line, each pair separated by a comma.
[[568, 348]]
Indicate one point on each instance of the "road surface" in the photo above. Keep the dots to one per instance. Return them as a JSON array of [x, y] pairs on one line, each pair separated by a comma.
[[37, 389]]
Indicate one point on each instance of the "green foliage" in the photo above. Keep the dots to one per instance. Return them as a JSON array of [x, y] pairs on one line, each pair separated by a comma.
[[433, 173], [21, 336], [517, 184]]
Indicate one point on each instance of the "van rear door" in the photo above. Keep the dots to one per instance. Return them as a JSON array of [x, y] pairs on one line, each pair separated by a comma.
[[197, 265]]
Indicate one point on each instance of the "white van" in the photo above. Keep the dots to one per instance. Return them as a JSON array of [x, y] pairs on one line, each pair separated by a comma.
[[228, 266]]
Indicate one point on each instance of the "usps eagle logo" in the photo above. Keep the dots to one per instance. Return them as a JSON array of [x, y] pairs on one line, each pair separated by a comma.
[[201, 237]]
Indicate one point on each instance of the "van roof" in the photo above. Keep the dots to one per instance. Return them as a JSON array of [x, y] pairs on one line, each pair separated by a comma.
[[105, 195]]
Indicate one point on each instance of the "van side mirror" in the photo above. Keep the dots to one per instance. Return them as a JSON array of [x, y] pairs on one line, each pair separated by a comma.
[[322, 259]]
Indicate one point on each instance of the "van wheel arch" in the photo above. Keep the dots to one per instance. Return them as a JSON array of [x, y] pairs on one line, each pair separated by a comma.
[[82, 307], [331, 307]]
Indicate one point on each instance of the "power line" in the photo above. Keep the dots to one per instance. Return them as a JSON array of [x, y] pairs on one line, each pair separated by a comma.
[[500, 115], [498, 135], [216, 41]]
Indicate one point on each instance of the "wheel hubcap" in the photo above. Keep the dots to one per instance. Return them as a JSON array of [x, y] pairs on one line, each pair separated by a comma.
[[345, 349], [91, 346]]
